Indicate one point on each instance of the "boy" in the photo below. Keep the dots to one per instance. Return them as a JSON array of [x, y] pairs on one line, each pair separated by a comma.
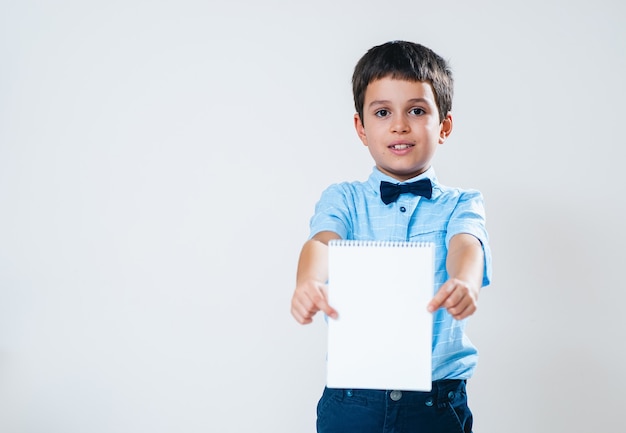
[[403, 97]]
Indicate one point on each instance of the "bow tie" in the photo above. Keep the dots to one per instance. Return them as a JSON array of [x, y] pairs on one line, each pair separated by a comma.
[[389, 192]]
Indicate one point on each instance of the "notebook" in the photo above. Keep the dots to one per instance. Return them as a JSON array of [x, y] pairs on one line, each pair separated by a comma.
[[382, 338]]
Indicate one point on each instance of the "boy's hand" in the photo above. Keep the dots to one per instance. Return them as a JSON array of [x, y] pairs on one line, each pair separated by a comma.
[[310, 297], [456, 296]]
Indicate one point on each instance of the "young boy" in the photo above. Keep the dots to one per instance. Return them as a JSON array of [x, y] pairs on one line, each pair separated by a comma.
[[403, 97]]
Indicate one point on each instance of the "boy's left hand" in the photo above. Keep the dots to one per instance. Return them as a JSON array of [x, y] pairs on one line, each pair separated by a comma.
[[456, 296]]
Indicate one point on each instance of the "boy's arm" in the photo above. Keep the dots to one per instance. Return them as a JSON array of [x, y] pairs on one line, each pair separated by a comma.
[[465, 263], [310, 295]]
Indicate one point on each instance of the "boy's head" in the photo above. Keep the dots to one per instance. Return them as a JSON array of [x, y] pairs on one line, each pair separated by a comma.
[[405, 61]]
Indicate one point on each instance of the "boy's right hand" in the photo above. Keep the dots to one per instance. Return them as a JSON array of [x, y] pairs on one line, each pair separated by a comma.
[[309, 297]]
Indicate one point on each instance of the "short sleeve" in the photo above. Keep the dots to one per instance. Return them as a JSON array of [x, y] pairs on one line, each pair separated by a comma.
[[332, 213]]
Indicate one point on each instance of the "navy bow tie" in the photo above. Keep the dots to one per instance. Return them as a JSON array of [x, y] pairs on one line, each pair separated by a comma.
[[389, 192]]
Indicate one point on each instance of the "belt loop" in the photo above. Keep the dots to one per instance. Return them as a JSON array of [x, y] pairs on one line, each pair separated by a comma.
[[445, 391], [440, 394]]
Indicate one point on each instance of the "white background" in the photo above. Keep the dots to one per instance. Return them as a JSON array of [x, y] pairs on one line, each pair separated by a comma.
[[159, 163]]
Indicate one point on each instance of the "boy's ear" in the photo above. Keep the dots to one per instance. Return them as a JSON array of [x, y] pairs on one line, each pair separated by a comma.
[[445, 129], [360, 130]]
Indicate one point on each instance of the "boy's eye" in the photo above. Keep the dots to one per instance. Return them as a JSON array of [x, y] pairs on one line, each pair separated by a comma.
[[417, 111], [382, 113]]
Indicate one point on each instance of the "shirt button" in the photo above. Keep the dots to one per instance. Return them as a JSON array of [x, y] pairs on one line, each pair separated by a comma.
[[402, 209], [395, 395], [429, 401]]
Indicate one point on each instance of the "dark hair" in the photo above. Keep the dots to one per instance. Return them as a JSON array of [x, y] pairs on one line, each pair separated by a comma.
[[406, 61]]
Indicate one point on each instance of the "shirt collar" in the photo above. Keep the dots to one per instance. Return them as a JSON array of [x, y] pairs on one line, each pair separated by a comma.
[[377, 176]]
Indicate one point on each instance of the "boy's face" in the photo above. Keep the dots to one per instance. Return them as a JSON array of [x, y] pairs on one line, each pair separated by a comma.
[[401, 127]]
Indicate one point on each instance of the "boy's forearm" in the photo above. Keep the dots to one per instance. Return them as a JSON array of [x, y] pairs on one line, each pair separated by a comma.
[[466, 260], [313, 262], [310, 295]]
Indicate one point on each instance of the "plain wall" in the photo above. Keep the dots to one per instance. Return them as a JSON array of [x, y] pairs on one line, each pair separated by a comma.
[[159, 163]]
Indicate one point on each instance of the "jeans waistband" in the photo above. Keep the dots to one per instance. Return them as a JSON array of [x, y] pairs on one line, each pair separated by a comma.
[[442, 392]]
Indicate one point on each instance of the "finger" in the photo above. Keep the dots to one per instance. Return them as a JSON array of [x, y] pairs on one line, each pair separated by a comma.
[[330, 312], [321, 302], [299, 314], [306, 305], [322, 305], [440, 297], [303, 309], [455, 299], [463, 311], [465, 307]]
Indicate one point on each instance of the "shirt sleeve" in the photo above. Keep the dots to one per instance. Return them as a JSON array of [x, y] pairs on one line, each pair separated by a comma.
[[469, 217], [332, 213]]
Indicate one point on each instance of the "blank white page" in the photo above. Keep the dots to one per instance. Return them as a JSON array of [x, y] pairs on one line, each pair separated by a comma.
[[382, 338]]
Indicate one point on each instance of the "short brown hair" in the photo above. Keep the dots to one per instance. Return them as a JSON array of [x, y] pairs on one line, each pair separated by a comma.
[[407, 61]]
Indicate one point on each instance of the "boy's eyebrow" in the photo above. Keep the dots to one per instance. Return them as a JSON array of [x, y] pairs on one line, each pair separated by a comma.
[[411, 101]]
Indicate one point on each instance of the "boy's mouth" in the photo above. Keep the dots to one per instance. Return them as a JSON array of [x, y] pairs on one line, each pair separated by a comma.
[[401, 146]]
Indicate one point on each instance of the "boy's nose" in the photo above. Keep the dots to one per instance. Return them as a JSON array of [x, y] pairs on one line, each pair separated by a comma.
[[400, 125]]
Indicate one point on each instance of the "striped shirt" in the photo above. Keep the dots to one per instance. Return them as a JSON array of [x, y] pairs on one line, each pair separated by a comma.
[[354, 210]]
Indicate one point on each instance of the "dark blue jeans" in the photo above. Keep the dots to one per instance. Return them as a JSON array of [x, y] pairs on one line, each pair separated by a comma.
[[442, 410]]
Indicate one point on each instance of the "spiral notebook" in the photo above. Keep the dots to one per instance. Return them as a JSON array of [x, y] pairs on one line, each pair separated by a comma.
[[382, 338]]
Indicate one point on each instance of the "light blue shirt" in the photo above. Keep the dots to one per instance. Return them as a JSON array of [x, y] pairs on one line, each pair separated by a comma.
[[354, 210]]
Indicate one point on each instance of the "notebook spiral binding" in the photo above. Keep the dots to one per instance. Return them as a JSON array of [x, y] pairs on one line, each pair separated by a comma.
[[373, 243]]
